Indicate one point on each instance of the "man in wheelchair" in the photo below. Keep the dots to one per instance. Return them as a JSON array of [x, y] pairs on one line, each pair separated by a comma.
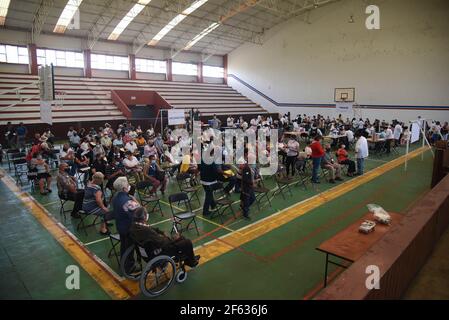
[[156, 242]]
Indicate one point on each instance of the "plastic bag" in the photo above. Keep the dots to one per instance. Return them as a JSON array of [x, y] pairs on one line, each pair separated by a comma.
[[380, 214]]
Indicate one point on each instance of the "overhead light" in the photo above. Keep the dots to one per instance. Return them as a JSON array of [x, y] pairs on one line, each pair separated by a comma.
[[67, 15], [175, 21], [201, 35], [351, 19], [132, 13], [4, 5]]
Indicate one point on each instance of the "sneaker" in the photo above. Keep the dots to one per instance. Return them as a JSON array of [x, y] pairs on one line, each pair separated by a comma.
[[247, 218], [331, 181]]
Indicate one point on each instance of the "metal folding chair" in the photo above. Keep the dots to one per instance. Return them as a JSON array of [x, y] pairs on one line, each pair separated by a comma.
[[222, 200], [184, 213], [151, 202]]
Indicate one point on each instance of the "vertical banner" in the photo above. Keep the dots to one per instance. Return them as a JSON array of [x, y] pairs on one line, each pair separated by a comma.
[[415, 132], [344, 107], [46, 116]]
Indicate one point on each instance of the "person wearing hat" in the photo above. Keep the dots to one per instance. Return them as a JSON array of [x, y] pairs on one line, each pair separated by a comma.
[[155, 241], [93, 202]]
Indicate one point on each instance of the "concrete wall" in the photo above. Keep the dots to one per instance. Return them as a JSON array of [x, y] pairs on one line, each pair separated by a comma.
[[405, 63]]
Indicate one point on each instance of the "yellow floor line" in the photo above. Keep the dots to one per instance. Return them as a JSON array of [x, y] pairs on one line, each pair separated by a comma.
[[109, 282], [215, 248]]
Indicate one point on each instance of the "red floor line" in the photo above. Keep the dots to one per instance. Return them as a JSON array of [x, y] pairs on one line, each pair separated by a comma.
[[336, 219], [206, 234]]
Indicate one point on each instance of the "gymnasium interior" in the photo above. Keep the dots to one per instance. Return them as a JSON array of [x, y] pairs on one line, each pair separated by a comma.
[[352, 93]]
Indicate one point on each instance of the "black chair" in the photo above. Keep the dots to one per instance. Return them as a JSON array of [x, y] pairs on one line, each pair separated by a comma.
[[9, 156], [20, 169], [151, 202], [183, 214], [222, 200], [283, 182], [82, 224], [261, 193], [115, 241], [63, 200], [184, 183]]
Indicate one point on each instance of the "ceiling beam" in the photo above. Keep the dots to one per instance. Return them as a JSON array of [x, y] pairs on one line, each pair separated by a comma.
[[100, 25]]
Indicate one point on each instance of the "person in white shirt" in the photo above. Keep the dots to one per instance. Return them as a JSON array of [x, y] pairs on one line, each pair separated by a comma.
[[230, 121], [131, 146], [132, 166], [361, 150], [397, 133], [292, 151], [389, 138]]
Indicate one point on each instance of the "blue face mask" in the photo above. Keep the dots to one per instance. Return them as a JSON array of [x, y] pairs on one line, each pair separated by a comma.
[[153, 161]]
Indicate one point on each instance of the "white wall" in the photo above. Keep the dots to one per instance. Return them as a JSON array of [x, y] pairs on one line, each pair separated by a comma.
[[405, 63]]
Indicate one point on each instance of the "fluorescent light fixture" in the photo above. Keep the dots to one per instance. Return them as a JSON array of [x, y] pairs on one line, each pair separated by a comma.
[[201, 35], [174, 22], [4, 6], [132, 13], [67, 15]]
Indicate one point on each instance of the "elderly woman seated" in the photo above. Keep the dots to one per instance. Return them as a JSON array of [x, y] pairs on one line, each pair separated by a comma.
[[132, 166], [155, 175], [39, 165], [156, 241], [93, 201]]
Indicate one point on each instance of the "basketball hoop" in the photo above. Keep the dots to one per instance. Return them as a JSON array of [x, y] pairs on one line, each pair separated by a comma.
[[59, 99]]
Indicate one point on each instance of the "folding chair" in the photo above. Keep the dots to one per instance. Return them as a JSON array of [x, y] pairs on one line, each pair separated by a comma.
[[82, 224], [20, 170], [81, 176], [146, 199], [115, 241], [222, 200], [261, 192], [282, 181], [184, 214], [9, 156], [63, 200], [183, 180]]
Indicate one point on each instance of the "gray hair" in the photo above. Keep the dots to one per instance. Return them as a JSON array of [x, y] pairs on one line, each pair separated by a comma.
[[120, 183]]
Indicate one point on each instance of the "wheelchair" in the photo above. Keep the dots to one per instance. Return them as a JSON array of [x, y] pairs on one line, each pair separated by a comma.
[[155, 272]]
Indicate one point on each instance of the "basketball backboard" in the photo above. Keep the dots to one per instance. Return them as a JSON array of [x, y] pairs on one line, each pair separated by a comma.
[[46, 83], [344, 95]]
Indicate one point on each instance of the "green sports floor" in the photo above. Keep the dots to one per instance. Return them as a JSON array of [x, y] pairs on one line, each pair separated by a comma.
[[280, 262]]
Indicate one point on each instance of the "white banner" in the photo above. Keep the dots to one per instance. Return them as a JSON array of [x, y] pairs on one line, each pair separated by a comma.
[[46, 116], [176, 117], [415, 132], [344, 107]]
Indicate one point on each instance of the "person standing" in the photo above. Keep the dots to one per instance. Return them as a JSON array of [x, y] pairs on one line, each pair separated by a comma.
[[292, 154], [21, 132], [361, 151], [247, 196], [397, 133], [208, 176], [317, 155]]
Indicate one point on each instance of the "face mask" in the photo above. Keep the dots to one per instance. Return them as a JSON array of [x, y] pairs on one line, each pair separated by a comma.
[[67, 170], [153, 161], [39, 157], [128, 188]]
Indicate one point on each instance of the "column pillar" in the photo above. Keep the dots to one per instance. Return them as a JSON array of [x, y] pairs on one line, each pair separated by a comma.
[[132, 67], [200, 72], [87, 64], [169, 69], [32, 57], [225, 68]]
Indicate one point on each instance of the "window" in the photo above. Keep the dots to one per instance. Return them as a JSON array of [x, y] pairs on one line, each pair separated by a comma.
[[213, 72], [101, 61], [13, 54], [185, 69], [153, 66], [60, 58]]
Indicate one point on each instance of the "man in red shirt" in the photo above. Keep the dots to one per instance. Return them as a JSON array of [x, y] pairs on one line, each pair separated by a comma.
[[317, 155]]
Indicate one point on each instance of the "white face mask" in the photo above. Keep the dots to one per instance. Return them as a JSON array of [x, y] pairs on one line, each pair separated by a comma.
[[128, 188]]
